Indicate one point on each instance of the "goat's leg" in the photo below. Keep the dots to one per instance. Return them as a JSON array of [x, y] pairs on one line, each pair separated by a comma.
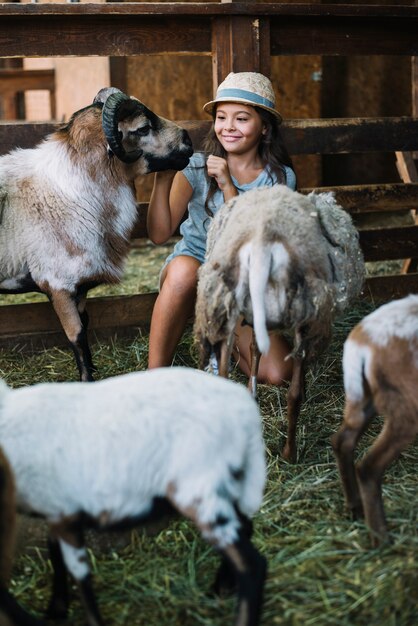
[[59, 602], [76, 561], [295, 396], [225, 357], [65, 306], [370, 470], [357, 416], [255, 362]]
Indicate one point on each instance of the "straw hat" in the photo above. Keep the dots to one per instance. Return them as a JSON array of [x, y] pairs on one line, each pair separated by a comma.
[[246, 87]]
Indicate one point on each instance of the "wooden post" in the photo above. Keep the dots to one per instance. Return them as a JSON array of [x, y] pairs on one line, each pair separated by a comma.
[[239, 44]]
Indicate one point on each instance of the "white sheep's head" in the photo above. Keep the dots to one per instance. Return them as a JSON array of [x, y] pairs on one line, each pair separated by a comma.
[[137, 135]]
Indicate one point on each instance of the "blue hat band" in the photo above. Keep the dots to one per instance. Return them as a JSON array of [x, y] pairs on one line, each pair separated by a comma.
[[245, 95]]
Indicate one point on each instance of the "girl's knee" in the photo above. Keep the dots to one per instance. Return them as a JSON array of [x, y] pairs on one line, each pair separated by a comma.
[[181, 275], [275, 373]]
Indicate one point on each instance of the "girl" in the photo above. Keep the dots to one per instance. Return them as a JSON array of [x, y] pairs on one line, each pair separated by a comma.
[[245, 150]]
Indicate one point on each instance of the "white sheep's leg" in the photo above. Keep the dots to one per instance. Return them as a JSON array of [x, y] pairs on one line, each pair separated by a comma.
[[357, 416], [65, 306], [391, 441], [295, 397], [76, 561], [255, 362]]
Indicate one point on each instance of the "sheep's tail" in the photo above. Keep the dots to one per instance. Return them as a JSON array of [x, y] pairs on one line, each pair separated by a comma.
[[265, 259], [356, 365]]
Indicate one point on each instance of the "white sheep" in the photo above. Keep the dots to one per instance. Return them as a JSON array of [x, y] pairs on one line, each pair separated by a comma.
[[67, 206], [380, 364], [129, 447], [10, 611], [280, 260]]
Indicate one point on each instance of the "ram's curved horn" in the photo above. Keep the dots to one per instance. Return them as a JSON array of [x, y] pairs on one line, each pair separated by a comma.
[[116, 107], [104, 93]]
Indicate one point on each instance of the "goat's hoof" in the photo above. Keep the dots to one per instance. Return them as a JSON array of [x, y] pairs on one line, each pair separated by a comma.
[[289, 454]]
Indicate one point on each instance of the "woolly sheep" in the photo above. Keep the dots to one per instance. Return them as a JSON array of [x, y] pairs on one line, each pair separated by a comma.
[[380, 364], [67, 206], [122, 450], [281, 260], [10, 611]]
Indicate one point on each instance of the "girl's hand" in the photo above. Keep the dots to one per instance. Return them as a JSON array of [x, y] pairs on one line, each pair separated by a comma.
[[218, 168]]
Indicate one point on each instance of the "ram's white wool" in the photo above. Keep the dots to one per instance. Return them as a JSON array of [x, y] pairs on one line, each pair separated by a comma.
[[394, 319], [111, 447], [74, 218], [76, 560]]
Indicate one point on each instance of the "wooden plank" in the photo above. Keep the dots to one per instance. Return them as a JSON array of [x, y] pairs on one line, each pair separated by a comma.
[[385, 288], [107, 315], [358, 199], [350, 135], [239, 44], [18, 79], [35, 325], [302, 136], [384, 244], [150, 28]]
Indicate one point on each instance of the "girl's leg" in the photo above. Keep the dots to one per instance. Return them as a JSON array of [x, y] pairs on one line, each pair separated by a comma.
[[273, 368], [172, 310]]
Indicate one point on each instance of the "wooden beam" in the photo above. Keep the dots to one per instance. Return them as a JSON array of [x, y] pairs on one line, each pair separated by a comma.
[[385, 244], [305, 136], [128, 29], [36, 324]]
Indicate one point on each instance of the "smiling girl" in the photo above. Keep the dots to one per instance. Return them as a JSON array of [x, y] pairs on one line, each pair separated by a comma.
[[243, 150]]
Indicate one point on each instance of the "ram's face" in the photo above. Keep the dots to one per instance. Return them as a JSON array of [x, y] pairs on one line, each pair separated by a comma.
[[162, 144]]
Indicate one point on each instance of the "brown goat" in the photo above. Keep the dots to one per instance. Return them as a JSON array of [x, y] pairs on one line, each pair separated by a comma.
[[380, 365]]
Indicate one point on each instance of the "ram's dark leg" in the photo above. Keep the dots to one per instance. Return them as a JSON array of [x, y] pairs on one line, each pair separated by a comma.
[[65, 306]]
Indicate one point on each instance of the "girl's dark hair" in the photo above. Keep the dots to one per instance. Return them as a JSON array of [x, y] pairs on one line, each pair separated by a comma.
[[271, 149]]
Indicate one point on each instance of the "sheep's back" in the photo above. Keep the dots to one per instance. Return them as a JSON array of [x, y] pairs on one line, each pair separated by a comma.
[[115, 445], [267, 215]]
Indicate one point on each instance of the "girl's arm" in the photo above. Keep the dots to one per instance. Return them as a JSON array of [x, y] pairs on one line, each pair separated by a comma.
[[168, 203]]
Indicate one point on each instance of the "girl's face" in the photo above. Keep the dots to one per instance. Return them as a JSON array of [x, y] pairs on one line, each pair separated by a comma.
[[238, 127]]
